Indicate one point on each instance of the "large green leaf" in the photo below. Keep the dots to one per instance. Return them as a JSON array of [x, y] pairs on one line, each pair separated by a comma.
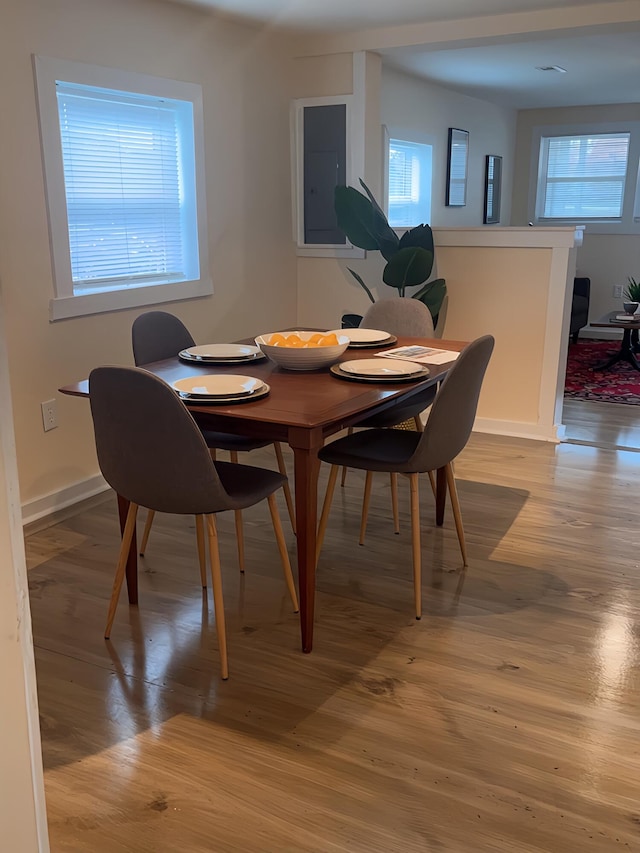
[[364, 222], [432, 295], [408, 267], [354, 213], [371, 197], [361, 283], [388, 241], [421, 235]]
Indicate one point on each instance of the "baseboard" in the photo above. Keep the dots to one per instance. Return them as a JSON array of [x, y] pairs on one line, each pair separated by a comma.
[[518, 429], [601, 335], [63, 498]]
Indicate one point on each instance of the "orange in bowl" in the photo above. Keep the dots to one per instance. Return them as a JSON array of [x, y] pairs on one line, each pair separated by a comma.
[[301, 350]]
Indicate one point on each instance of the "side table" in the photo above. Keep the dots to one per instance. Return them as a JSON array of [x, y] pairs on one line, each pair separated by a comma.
[[629, 343]]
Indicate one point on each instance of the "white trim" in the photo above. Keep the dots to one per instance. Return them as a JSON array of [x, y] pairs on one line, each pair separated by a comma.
[[518, 429], [591, 333], [514, 237], [319, 251], [65, 307], [63, 498], [47, 70]]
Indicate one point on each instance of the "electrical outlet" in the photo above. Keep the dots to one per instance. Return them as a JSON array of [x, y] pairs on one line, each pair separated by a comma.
[[617, 291], [49, 415]]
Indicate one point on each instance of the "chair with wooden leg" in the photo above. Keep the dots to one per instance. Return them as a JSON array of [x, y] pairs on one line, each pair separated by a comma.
[[402, 317], [407, 452], [156, 335], [152, 453]]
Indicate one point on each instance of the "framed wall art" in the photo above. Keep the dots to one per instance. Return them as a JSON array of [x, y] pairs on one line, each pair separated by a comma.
[[457, 160], [492, 189]]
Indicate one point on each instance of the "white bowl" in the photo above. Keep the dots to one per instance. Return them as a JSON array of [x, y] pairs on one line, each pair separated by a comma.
[[297, 358]]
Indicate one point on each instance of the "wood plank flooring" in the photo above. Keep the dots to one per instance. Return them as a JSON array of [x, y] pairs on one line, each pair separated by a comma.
[[506, 720], [602, 424]]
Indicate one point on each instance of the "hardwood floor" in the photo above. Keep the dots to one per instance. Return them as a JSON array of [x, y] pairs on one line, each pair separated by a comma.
[[602, 424], [506, 720]]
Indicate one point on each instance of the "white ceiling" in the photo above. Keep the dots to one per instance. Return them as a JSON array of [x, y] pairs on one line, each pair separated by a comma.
[[602, 67], [357, 14]]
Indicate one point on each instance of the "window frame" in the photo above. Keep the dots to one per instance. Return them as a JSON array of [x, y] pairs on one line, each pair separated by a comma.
[[629, 221], [66, 303], [426, 183]]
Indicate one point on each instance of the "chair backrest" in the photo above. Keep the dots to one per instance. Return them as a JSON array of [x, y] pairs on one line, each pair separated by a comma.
[[454, 409], [400, 316], [157, 335], [149, 447]]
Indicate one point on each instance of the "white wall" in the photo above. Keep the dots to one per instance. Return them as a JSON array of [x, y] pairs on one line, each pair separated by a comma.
[[245, 75], [420, 111], [607, 259]]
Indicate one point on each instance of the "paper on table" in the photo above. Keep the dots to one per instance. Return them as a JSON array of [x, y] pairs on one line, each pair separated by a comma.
[[423, 355]]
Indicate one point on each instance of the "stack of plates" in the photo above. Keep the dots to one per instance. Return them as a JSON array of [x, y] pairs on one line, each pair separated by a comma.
[[367, 338], [221, 388], [380, 370], [222, 354]]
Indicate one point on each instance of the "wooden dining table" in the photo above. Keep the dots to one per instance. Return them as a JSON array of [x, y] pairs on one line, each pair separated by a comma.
[[302, 409]]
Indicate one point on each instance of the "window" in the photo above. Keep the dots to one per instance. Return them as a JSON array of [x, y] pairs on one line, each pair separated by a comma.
[[582, 177], [410, 166], [123, 161]]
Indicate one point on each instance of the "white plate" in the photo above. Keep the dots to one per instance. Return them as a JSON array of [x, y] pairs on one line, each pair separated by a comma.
[[380, 367], [363, 336], [203, 359], [218, 385], [227, 401], [222, 351]]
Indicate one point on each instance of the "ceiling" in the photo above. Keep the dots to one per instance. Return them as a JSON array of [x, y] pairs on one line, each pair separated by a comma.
[[357, 14], [602, 67]]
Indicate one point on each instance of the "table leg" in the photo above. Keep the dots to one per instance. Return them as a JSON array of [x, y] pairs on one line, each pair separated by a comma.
[[132, 562], [305, 445], [625, 353], [441, 495]]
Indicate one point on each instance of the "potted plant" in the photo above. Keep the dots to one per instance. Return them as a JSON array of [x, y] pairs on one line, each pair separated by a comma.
[[409, 257], [632, 290]]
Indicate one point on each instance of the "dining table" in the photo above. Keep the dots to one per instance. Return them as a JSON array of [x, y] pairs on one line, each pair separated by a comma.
[[303, 409]]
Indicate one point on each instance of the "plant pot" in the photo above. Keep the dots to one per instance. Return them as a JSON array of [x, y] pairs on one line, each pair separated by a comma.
[[351, 321]]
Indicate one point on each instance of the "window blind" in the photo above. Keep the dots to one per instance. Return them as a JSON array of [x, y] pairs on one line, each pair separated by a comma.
[[584, 176], [123, 158], [409, 183]]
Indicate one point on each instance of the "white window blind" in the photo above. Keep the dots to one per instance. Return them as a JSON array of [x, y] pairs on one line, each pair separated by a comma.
[[129, 178], [583, 177], [409, 183]]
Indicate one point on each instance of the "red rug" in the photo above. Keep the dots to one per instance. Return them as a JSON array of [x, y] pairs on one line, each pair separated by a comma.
[[617, 384]]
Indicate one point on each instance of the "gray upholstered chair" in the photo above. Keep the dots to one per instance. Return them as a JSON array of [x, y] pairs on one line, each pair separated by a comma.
[[406, 317], [157, 335], [409, 452], [151, 452]]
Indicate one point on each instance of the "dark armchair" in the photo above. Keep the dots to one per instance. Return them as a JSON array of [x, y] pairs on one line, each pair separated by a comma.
[[579, 306]]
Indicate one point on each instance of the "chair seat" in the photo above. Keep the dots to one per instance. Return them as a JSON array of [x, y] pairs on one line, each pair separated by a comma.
[[401, 412], [374, 450], [245, 485], [228, 441]]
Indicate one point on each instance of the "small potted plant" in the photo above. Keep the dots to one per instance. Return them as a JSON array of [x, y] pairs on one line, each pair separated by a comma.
[[631, 295], [409, 257]]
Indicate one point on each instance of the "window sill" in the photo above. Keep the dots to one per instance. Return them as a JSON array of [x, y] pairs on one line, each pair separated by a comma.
[[65, 307], [319, 251]]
